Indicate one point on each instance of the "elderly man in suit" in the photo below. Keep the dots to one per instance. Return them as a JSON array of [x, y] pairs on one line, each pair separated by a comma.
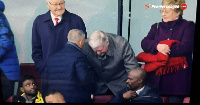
[[111, 57]]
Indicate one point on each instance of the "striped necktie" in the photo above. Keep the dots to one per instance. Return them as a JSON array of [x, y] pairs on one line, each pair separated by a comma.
[[56, 19]]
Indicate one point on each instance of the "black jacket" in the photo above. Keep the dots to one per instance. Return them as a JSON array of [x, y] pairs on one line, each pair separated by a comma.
[[21, 99], [148, 95]]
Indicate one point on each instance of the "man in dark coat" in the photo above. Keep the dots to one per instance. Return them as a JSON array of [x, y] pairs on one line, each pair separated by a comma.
[[47, 37], [137, 91], [68, 70]]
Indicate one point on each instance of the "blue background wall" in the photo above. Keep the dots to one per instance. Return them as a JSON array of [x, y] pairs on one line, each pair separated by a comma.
[[97, 15]]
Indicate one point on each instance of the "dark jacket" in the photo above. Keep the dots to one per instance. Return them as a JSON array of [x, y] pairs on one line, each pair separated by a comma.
[[68, 71], [8, 55], [47, 38], [148, 95], [176, 83], [112, 72], [21, 99]]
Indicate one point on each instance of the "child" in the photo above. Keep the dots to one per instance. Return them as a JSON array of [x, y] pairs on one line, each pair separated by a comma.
[[29, 89]]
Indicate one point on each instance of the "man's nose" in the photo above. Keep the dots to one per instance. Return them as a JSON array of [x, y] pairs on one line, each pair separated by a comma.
[[127, 81], [98, 52]]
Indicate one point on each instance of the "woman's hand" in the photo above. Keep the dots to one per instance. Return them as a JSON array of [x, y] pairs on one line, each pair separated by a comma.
[[163, 48]]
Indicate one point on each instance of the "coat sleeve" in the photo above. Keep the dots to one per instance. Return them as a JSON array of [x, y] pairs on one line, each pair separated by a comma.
[[82, 27], [36, 45], [118, 98], [6, 39], [82, 69], [129, 58], [84, 74], [149, 43]]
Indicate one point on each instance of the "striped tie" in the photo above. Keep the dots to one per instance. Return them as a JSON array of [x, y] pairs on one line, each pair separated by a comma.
[[56, 19]]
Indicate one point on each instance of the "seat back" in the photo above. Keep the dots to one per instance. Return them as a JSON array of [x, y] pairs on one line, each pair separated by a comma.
[[10, 99], [29, 68], [165, 99], [186, 100], [102, 98]]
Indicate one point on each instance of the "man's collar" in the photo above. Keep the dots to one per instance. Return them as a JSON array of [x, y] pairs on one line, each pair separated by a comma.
[[140, 90], [27, 101], [52, 16]]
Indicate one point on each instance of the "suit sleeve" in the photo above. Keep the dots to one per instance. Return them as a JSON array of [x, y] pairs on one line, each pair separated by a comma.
[[36, 45], [129, 58], [118, 98], [82, 27], [82, 69]]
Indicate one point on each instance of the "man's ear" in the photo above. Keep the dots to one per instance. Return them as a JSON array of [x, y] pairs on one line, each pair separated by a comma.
[[81, 42], [140, 80], [21, 89]]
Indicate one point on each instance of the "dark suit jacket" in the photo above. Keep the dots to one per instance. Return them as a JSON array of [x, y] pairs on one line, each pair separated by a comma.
[[68, 71], [148, 95]]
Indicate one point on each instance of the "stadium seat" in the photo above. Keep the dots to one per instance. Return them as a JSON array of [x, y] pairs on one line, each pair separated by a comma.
[[10, 99], [165, 99], [29, 68], [102, 98], [186, 100]]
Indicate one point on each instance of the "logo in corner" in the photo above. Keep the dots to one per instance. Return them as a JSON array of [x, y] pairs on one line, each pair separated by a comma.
[[184, 6], [147, 6]]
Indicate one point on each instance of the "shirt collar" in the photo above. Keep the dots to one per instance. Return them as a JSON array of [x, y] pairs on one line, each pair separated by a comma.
[[52, 17], [140, 90], [27, 101]]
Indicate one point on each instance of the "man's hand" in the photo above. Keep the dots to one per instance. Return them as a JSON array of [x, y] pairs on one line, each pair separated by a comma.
[[130, 94]]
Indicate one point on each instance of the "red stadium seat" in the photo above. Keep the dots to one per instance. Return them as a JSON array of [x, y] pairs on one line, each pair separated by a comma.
[[186, 100], [29, 68], [102, 98], [165, 99], [10, 99]]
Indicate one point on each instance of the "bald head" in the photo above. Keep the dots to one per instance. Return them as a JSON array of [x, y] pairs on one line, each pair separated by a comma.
[[138, 72], [54, 96], [76, 36]]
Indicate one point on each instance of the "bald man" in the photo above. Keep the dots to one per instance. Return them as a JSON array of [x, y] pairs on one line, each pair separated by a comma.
[[137, 91], [54, 96], [68, 70]]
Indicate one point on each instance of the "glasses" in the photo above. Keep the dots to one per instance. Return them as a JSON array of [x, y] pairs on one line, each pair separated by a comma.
[[60, 4]]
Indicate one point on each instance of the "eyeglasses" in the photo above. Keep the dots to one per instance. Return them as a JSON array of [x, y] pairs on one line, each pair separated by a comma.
[[60, 4]]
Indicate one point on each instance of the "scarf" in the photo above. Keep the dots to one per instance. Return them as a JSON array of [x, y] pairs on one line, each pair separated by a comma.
[[162, 64], [38, 99]]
